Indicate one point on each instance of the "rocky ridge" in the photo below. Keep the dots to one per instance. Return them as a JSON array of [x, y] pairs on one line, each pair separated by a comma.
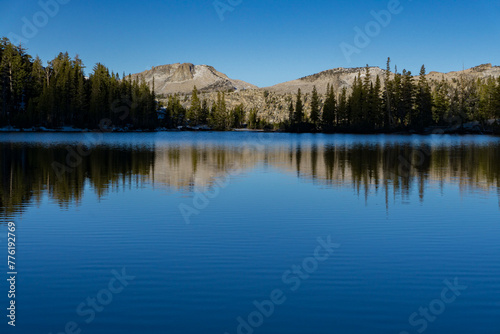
[[181, 78]]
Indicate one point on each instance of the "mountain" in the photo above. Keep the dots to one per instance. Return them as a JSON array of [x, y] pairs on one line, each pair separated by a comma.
[[181, 78], [338, 77], [272, 102], [344, 77], [478, 72]]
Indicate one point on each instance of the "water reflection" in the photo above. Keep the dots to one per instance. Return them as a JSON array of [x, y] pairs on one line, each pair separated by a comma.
[[29, 171]]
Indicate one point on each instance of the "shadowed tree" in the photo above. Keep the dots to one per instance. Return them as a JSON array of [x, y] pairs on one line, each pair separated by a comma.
[[329, 117], [315, 109], [299, 109], [422, 115], [194, 113]]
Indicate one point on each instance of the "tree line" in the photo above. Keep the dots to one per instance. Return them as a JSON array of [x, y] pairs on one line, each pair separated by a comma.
[[402, 103], [215, 115], [60, 94]]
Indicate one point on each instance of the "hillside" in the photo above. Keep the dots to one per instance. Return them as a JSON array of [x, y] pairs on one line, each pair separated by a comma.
[[338, 77], [272, 102], [181, 78]]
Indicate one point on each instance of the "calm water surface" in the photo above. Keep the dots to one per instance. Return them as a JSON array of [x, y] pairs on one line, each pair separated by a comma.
[[206, 224]]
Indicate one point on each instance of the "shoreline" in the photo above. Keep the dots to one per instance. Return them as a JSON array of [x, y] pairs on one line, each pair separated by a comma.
[[409, 132]]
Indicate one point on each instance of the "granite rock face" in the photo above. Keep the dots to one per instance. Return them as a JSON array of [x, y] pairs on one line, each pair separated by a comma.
[[181, 78]]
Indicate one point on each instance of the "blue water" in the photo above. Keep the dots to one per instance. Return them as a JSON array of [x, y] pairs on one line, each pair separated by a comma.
[[203, 225]]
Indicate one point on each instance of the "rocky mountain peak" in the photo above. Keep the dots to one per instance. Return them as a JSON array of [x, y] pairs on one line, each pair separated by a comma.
[[181, 78], [184, 72]]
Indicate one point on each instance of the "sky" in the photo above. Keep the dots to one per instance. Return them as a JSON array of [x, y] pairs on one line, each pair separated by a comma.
[[261, 42]]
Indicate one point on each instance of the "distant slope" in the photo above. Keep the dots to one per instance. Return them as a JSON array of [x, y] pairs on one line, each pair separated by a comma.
[[181, 78], [344, 77], [481, 71], [338, 77], [272, 103]]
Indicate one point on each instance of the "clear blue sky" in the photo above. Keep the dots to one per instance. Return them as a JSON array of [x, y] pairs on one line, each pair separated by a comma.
[[262, 42]]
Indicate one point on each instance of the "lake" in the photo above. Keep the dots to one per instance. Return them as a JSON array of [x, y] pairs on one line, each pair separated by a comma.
[[264, 233]]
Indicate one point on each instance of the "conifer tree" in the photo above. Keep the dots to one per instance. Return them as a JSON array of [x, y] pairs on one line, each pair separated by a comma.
[[299, 109], [194, 114], [237, 116], [329, 119], [405, 108], [422, 115], [376, 105], [291, 114], [204, 112], [253, 120], [315, 109], [388, 102], [441, 103], [356, 101], [343, 114]]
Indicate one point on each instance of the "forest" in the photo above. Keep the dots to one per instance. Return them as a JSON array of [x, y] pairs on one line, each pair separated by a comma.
[[60, 94], [403, 103], [394, 103]]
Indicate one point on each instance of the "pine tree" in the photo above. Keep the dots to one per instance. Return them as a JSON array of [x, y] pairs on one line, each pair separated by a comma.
[[203, 119], [356, 101], [388, 101], [366, 117], [329, 119], [396, 97], [220, 119], [343, 114], [176, 111], [37, 75], [453, 116], [237, 116], [441, 104], [376, 105], [299, 109], [471, 100], [315, 109], [422, 114], [405, 108], [486, 98], [253, 120], [99, 94], [194, 114], [291, 114]]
